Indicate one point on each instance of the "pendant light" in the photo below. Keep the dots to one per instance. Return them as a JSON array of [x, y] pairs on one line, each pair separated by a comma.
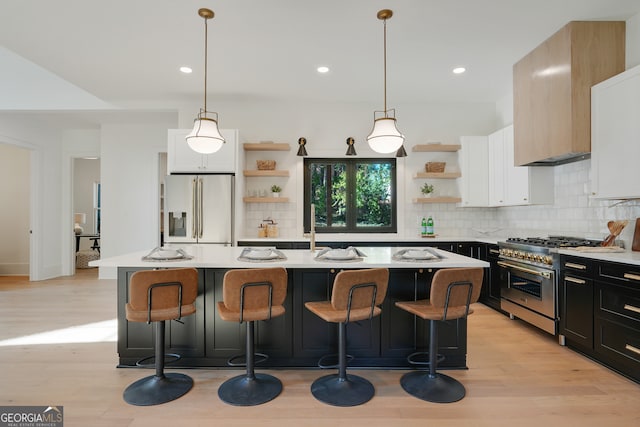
[[205, 137], [385, 136]]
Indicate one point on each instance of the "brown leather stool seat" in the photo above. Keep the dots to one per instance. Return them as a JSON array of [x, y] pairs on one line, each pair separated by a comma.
[[154, 297], [356, 295], [452, 291], [250, 295]]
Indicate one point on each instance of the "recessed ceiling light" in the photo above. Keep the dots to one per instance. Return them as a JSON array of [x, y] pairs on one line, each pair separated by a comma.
[[186, 70], [323, 69], [459, 70]]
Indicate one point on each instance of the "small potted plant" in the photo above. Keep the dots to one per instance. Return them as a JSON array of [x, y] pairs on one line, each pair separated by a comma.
[[275, 191], [427, 189]]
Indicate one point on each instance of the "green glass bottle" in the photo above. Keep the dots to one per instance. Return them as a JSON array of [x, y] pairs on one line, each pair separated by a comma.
[[424, 227], [430, 231]]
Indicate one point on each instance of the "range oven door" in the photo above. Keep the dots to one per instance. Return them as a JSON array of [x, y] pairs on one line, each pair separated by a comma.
[[529, 286]]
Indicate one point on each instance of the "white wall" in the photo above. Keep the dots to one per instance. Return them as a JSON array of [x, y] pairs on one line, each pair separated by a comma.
[[14, 210], [130, 186], [633, 42], [326, 128]]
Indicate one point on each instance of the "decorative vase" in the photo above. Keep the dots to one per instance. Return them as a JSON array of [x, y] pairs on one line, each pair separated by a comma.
[[275, 194]]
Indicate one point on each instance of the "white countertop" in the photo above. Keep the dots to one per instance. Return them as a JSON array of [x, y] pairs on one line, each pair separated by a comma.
[[626, 257], [210, 256], [380, 237]]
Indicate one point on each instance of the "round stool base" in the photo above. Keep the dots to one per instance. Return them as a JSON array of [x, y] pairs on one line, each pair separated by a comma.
[[245, 391], [439, 388], [154, 390], [332, 390]]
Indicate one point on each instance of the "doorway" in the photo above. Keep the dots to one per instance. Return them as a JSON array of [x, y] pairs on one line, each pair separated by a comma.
[[15, 178], [86, 205]]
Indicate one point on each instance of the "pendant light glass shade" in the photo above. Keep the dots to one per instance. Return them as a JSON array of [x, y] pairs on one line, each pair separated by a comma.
[[385, 136], [205, 138]]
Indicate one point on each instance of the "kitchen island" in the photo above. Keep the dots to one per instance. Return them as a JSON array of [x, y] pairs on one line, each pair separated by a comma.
[[298, 338]]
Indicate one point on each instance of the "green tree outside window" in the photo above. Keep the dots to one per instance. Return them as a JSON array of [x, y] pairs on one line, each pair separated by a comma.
[[351, 195]]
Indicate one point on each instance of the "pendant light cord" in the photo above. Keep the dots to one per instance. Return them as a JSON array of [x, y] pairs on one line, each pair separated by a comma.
[[205, 63], [385, 68]]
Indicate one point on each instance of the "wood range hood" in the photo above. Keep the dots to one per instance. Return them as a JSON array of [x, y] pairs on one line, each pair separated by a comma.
[[552, 91]]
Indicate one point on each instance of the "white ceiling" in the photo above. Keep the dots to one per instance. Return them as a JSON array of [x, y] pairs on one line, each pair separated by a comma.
[[125, 54]]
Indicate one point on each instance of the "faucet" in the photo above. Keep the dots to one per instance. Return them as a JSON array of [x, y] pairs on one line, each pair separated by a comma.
[[312, 234]]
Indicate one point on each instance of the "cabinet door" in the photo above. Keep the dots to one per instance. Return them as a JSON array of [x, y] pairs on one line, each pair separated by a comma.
[[225, 339], [516, 179], [496, 169], [474, 159], [491, 287], [576, 310], [136, 339], [615, 135], [182, 159]]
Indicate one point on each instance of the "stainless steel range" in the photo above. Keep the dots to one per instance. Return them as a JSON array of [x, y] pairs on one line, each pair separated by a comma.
[[529, 278]]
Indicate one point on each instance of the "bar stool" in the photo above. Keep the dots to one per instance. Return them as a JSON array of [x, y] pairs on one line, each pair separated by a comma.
[[156, 296], [356, 295], [250, 295], [452, 291]]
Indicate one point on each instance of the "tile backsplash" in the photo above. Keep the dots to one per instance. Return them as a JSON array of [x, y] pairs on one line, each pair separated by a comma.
[[572, 214]]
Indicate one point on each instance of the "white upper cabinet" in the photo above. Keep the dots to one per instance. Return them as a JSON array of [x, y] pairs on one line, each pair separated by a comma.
[[615, 137], [490, 178], [182, 159], [497, 169], [474, 161], [521, 185]]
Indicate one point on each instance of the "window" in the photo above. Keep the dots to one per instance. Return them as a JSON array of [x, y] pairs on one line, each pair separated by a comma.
[[350, 195]]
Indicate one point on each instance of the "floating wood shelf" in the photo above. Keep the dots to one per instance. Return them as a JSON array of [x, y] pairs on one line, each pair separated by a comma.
[[270, 146], [435, 147], [438, 175], [253, 172], [437, 200], [265, 199]]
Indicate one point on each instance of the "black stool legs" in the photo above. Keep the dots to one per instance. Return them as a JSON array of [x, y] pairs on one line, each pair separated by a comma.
[[161, 387], [342, 389], [251, 388], [432, 386]]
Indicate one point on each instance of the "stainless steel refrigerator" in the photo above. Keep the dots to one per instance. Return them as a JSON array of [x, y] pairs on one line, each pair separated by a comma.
[[199, 209]]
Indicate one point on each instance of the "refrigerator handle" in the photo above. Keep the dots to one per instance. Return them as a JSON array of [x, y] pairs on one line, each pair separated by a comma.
[[194, 205], [200, 209]]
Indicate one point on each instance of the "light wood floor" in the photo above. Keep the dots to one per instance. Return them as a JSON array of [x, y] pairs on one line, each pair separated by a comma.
[[518, 376]]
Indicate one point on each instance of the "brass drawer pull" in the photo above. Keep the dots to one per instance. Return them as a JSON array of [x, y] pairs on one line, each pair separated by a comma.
[[632, 308], [574, 280], [576, 266], [632, 348], [631, 276], [493, 251]]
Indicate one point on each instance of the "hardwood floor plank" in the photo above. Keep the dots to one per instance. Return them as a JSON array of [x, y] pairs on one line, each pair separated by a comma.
[[517, 374]]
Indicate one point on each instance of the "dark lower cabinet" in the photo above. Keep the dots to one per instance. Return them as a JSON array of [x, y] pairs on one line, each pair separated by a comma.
[[600, 312], [490, 295], [617, 317], [136, 339], [298, 338], [575, 295]]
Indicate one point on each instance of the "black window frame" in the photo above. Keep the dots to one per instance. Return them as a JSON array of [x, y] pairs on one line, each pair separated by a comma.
[[351, 216]]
